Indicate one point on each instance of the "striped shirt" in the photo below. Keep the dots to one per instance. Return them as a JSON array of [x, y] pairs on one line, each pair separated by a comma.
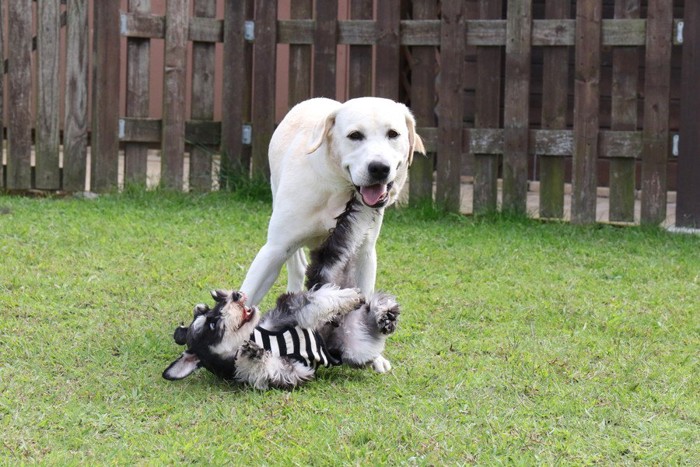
[[304, 345]]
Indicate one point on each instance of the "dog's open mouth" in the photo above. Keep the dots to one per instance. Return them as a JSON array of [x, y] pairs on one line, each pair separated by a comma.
[[375, 196]]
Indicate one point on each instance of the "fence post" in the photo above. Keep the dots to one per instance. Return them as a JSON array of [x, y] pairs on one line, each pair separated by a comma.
[[450, 106], [236, 95], [555, 85], [2, 90], [137, 96], [516, 132], [203, 100], [487, 113], [688, 202], [173, 130], [387, 80], [105, 99], [586, 110], [19, 126], [423, 68], [300, 58], [75, 130], [360, 64], [624, 118], [325, 40], [47, 175], [657, 86]]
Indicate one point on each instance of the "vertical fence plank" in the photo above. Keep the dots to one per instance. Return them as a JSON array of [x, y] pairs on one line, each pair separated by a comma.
[[47, 175], [236, 94], [487, 113], [19, 126], [657, 88], [2, 92], [422, 104], [264, 97], [75, 130], [360, 64], [586, 111], [450, 106], [202, 100], [516, 109], [387, 80], [300, 58], [325, 40], [555, 85], [105, 100], [137, 97], [624, 117], [688, 202], [173, 136]]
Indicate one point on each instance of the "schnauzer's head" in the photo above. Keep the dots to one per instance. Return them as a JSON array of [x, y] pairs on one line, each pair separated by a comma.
[[214, 336]]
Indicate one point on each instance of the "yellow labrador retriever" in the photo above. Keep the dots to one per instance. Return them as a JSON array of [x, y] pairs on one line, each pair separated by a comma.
[[322, 154]]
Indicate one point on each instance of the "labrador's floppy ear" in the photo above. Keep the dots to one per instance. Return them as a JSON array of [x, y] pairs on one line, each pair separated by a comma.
[[321, 132], [415, 141], [182, 367]]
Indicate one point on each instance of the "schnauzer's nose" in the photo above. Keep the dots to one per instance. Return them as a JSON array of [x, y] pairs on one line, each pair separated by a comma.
[[378, 170]]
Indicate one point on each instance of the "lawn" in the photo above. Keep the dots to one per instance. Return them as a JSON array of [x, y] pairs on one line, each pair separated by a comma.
[[520, 342]]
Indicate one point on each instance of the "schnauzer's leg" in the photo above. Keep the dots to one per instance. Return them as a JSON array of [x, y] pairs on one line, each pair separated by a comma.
[[262, 370], [326, 302]]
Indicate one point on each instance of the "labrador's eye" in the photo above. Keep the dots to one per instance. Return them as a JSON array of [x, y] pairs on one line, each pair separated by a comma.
[[392, 134], [356, 136]]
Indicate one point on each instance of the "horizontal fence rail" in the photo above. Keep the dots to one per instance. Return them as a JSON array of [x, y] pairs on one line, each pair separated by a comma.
[[507, 92]]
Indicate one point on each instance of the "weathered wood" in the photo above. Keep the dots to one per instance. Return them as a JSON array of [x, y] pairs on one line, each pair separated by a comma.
[[688, 196], [555, 83], [105, 100], [149, 131], [657, 88], [325, 40], [2, 90], [137, 96], [624, 117], [423, 71], [360, 56], [450, 106], [148, 26], [300, 58], [202, 101], [264, 97], [586, 111], [487, 114], [173, 141], [19, 126], [387, 50], [46, 173], [516, 105], [75, 127], [236, 93]]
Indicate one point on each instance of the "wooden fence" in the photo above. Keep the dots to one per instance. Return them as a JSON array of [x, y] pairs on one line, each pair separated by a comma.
[[467, 68]]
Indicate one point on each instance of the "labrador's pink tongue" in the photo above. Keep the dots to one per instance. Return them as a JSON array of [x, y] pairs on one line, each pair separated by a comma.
[[372, 194]]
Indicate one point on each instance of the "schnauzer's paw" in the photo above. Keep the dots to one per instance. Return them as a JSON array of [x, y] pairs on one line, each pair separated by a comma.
[[200, 309], [348, 300], [387, 321], [251, 350], [381, 365]]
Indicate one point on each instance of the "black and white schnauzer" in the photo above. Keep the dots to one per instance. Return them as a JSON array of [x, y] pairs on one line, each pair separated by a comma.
[[326, 325]]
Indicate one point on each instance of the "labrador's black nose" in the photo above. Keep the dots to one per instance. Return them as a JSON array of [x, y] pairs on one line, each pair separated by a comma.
[[378, 171]]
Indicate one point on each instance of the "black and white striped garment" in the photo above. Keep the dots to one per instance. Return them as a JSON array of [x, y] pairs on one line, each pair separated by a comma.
[[304, 345]]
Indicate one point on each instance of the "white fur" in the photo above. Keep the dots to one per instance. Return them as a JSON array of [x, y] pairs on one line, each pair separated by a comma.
[[315, 168]]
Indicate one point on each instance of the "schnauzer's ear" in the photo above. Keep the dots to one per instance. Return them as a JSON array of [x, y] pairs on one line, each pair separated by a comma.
[[180, 335], [219, 295], [182, 367]]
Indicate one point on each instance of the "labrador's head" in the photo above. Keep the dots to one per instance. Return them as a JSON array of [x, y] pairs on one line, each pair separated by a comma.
[[372, 140]]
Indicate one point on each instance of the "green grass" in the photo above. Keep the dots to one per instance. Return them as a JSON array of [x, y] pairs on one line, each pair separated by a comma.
[[519, 343]]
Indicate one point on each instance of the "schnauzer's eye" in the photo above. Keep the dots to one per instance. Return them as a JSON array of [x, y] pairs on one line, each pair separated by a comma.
[[356, 136], [392, 134], [235, 296]]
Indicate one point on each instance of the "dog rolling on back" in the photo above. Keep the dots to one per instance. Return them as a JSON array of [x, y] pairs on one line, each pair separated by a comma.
[[323, 326]]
